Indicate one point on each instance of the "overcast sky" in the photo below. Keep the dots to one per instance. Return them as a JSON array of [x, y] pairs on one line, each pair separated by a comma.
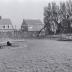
[[16, 10]]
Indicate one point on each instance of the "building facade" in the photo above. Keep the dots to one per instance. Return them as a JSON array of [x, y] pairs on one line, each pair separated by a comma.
[[6, 25], [32, 25]]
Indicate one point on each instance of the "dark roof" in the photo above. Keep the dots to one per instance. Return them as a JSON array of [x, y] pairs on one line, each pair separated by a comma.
[[36, 24], [5, 22], [33, 22]]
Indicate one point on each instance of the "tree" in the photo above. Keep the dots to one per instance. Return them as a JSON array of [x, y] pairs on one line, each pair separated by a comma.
[[50, 17], [47, 16], [68, 8], [66, 13], [63, 10], [57, 15], [54, 11]]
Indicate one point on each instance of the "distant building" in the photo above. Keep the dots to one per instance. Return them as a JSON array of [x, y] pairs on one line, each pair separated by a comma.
[[24, 26], [31, 25], [6, 25]]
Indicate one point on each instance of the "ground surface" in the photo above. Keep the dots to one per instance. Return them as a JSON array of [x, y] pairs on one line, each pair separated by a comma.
[[37, 56]]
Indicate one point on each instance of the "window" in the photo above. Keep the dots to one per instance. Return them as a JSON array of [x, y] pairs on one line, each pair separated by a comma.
[[8, 26], [3, 26], [30, 27]]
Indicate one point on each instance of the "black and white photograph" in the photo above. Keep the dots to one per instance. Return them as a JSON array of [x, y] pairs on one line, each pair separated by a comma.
[[35, 35]]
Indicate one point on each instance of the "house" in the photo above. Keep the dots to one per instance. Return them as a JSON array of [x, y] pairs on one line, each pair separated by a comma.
[[31, 25], [24, 26], [6, 25]]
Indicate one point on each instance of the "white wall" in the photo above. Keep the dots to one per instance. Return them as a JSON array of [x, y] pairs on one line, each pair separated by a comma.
[[6, 27]]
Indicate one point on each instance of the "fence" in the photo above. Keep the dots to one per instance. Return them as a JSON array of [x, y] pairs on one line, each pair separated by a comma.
[[17, 35], [28, 35]]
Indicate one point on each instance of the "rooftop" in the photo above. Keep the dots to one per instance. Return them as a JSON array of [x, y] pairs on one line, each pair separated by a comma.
[[33, 21], [5, 22]]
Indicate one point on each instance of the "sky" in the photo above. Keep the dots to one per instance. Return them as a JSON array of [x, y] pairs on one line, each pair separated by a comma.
[[17, 10]]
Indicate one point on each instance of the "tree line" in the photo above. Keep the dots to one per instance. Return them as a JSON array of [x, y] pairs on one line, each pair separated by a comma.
[[58, 18]]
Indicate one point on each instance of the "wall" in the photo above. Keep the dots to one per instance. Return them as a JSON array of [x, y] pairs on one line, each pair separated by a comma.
[[5, 28]]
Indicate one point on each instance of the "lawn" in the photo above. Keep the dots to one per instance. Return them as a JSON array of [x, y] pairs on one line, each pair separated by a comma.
[[37, 56]]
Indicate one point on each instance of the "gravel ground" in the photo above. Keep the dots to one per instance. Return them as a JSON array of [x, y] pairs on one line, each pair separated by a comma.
[[36, 56]]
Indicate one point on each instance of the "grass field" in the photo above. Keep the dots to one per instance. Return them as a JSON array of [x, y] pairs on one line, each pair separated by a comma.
[[37, 56]]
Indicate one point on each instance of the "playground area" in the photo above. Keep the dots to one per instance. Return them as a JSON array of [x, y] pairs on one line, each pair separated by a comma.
[[36, 56]]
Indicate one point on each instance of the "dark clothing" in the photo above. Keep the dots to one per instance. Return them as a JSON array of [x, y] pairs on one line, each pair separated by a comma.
[[8, 43]]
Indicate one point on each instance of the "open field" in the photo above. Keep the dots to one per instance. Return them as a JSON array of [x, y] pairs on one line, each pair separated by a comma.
[[37, 56]]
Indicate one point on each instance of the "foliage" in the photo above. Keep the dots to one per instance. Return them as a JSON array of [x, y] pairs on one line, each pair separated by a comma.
[[59, 14]]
